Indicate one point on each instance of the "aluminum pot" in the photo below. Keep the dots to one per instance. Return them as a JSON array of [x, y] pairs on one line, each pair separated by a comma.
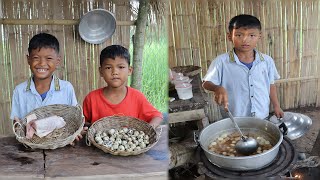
[[264, 128]]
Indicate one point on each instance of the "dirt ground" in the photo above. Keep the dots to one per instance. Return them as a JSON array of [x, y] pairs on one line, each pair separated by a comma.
[[309, 144]]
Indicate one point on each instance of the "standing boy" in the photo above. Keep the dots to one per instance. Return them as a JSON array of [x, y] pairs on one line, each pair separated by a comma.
[[43, 87], [243, 79], [117, 98]]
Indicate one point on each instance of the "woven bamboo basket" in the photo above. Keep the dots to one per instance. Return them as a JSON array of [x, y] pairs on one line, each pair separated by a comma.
[[187, 70], [117, 122], [72, 115]]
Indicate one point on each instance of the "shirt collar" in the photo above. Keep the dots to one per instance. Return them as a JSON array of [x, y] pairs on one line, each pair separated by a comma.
[[234, 58], [54, 83]]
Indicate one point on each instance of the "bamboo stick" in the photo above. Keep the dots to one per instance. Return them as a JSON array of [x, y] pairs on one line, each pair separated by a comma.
[[317, 6], [296, 79], [54, 22]]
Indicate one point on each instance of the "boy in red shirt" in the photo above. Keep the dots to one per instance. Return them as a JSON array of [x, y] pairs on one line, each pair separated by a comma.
[[117, 98]]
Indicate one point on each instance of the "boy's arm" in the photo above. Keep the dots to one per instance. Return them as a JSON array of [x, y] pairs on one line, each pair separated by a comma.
[[274, 101], [74, 98], [15, 110], [155, 122], [220, 93], [87, 124]]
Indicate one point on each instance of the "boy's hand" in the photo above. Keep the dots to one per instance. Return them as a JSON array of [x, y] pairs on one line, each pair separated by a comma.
[[155, 122], [221, 97], [80, 136], [278, 112], [16, 119]]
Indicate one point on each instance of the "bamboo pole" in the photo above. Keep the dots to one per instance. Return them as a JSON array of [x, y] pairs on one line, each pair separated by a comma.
[[296, 79], [172, 47], [54, 22], [317, 50]]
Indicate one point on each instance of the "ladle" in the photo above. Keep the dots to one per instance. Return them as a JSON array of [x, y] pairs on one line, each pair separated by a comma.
[[246, 145]]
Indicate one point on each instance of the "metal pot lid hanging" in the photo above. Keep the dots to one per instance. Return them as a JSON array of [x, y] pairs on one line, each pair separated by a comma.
[[297, 124], [97, 26]]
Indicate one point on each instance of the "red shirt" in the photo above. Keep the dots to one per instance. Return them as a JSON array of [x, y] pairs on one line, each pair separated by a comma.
[[135, 104]]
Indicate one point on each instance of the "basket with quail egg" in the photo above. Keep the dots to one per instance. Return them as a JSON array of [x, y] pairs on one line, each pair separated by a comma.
[[122, 135]]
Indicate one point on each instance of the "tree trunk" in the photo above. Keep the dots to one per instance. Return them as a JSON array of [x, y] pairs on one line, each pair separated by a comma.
[[138, 44]]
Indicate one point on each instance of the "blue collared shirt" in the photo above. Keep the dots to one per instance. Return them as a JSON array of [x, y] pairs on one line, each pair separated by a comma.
[[26, 98], [248, 89]]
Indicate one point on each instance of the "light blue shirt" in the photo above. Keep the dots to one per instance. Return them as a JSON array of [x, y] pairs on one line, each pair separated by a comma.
[[26, 98], [248, 89]]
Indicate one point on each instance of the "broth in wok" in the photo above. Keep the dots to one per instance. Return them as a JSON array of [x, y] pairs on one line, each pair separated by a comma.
[[225, 144]]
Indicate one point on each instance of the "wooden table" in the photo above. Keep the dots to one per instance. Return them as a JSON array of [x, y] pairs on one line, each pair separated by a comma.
[[82, 162]]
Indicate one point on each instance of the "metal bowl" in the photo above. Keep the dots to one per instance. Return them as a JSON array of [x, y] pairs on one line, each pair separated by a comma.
[[97, 26], [297, 124]]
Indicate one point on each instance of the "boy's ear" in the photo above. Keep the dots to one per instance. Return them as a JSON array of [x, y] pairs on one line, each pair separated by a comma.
[[260, 35], [28, 59], [58, 60], [229, 36], [130, 70], [100, 71]]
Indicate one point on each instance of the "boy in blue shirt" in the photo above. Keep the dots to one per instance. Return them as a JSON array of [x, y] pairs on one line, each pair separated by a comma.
[[243, 79], [43, 87]]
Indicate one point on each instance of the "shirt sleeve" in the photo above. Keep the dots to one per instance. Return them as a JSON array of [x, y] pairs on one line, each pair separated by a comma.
[[87, 111], [273, 73], [214, 73], [148, 112], [15, 111], [74, 101]]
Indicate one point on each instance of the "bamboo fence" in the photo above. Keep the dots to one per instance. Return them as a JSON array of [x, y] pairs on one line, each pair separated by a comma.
[[290, 30], [20, 20]]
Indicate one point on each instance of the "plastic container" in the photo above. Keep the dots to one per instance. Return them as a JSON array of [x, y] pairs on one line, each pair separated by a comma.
[[180, 80], [176, 75], [184, 91]]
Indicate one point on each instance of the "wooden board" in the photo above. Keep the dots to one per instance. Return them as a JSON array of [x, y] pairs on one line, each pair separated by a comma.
[[198, 101], [186, 116], [83, 162], [18, 163]]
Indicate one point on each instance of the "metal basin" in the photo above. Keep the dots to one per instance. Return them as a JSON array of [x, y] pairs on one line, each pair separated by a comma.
[[97, 26]]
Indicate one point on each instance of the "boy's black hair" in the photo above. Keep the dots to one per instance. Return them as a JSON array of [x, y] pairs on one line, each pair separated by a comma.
[[244, 20], [114, 51], [43, 40]]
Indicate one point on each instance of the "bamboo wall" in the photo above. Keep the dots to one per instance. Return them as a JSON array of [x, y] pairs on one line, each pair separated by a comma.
[[80, 59], [290, 30]]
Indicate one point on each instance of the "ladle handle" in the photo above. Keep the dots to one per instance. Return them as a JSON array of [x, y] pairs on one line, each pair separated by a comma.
[[235, 124]]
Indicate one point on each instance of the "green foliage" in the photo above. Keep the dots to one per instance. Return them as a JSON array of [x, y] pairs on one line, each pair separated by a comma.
[[155, 72]]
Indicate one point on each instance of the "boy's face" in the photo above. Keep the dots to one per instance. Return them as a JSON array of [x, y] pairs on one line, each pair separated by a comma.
[[244, 39], [43, 62], [115, 72]]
